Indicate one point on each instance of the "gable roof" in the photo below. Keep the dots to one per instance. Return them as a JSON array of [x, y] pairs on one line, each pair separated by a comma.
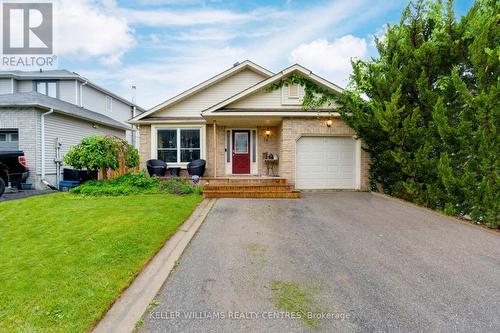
[[238, 67], [34, 99], [284, 73]]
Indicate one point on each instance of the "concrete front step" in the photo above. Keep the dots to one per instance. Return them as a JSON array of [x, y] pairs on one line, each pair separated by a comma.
[[253, 194], [250, 187]]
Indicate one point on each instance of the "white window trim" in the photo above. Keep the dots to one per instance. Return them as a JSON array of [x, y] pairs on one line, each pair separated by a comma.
[[154, 141], [46, 82]]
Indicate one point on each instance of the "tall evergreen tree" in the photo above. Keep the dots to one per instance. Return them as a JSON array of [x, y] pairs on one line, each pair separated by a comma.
[[428, 109], [469, 168], [402, 86]]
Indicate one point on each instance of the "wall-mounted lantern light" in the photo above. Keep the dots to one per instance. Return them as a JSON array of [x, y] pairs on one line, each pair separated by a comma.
[[267, 133], [329, 123]]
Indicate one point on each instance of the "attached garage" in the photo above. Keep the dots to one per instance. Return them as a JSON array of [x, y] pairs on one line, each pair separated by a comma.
[[327, 162]]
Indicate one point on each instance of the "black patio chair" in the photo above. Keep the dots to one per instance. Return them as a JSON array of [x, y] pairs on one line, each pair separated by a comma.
[[196, 167], [156, 168]]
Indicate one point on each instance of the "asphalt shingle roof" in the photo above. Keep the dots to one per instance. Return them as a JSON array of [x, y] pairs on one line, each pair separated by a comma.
[[56, 73], [35, 99]]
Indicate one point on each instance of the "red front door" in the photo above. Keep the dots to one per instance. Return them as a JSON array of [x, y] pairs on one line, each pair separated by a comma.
[[241, 152]]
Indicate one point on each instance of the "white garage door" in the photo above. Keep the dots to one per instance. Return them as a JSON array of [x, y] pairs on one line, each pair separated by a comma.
[[326, 163]]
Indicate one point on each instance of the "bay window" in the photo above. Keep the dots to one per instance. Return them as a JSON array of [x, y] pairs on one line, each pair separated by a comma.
[[178, 145]]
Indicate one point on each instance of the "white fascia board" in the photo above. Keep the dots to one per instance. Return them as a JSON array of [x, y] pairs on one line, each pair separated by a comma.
[[273, 114], [201, 121]]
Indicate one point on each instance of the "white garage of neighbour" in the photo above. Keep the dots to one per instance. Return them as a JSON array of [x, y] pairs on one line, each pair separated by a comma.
[[327, 162]]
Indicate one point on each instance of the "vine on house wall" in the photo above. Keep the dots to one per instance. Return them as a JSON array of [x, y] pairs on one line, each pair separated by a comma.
[[316, 97]]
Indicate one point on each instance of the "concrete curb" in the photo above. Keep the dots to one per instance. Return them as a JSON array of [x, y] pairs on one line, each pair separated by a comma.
[[133, 302], [430, 210]]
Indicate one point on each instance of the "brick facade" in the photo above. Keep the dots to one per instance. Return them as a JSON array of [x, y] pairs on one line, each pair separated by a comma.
[[144, 145], [282, 141], [271, 145], [294, 128], [25, 121]]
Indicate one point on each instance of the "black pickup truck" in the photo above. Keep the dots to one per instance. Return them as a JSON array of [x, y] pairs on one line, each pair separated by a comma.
[[13, 169]]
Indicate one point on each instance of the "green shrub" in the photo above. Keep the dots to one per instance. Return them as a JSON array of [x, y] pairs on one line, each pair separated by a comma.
[[102, 152], [136, 183], [179, 187]]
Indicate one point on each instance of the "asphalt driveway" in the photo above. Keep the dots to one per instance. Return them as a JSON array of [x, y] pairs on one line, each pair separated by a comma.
[[19, 194], [364, 262]]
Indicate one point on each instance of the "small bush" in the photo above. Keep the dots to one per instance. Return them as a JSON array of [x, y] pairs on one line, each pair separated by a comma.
[[179, 187], [136, 183]]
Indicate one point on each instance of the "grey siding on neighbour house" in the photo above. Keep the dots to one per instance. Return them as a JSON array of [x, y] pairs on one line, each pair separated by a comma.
[[67, 91], [5, 86], [25, 86], [69, 131], [95, 100]]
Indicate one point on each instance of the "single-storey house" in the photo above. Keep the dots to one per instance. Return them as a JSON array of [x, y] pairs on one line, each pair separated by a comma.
[[235, 122]]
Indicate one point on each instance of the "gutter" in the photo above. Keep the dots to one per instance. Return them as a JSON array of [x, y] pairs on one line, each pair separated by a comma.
[[44, 181]]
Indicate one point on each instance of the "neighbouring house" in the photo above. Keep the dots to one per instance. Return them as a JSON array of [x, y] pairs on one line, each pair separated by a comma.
[[45, 113], [235, 122]]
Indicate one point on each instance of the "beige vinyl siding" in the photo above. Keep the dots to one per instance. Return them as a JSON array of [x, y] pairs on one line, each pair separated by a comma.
[[276, 99], [5, 86], [70, 131], [194, 105], [263, 99]]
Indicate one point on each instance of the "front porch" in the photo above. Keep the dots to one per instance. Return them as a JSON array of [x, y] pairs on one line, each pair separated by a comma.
[[243, 147], [243, 161]]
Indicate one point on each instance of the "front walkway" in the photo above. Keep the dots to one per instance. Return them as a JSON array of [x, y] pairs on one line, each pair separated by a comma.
[[386, 265]]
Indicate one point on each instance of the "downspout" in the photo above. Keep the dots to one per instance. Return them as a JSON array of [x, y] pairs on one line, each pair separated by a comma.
[[215, 148], [81, 92], [134, 129], [42, 124]]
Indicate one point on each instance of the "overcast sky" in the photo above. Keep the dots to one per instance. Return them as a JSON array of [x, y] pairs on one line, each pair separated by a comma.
[[164, 47]]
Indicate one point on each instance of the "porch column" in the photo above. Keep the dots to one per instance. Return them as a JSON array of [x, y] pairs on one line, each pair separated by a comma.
[[215, 148]]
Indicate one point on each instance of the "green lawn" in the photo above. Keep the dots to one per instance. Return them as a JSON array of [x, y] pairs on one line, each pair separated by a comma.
[[64, 258]]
